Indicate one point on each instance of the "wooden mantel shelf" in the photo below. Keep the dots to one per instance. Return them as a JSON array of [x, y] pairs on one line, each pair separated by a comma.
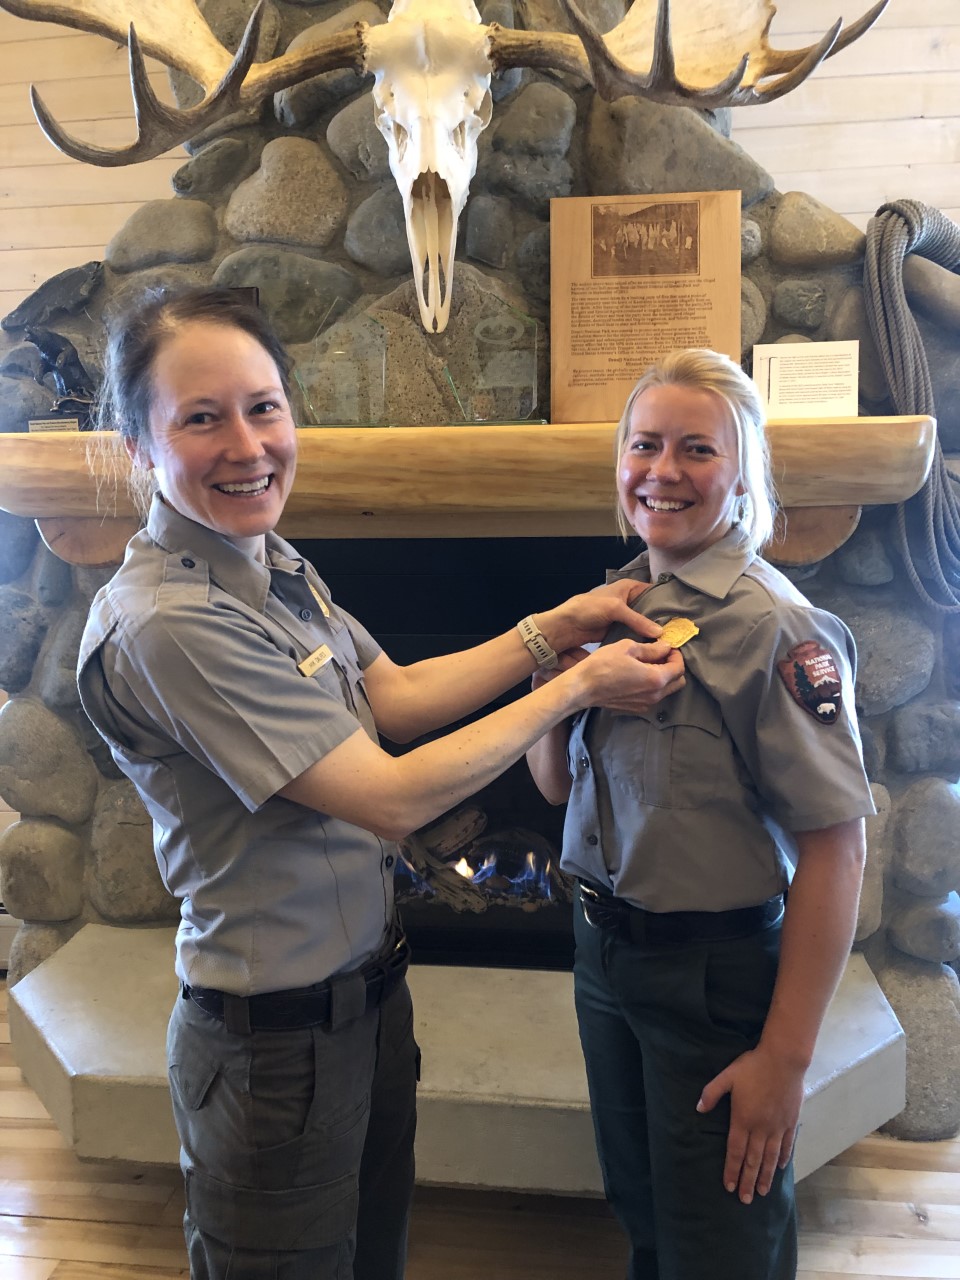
[[353, 481]]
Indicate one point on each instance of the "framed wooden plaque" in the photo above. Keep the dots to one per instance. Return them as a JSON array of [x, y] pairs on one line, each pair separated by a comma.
[[631, 278]]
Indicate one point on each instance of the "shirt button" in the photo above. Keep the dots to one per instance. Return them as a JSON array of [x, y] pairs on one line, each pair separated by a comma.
[[663, 577], [584, 762], [188, 563], [662, 716], [389, 860], [592, 840], [306, 614]]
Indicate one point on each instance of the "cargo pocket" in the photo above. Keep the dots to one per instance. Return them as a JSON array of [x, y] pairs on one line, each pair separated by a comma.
[[312, 1217], [291, 1183]]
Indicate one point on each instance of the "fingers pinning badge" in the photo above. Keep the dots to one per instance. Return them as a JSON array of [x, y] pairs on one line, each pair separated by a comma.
[[810, 673]]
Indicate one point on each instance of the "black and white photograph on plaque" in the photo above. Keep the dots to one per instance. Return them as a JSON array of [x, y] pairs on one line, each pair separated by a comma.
[[661, 239]]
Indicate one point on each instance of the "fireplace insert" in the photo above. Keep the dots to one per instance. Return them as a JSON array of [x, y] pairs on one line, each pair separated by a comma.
[[482, 885]]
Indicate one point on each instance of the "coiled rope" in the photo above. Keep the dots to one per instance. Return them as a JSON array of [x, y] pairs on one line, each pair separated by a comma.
[[928, 524]]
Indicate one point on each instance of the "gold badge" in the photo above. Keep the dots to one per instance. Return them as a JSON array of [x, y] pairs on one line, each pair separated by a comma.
[[678, 631]]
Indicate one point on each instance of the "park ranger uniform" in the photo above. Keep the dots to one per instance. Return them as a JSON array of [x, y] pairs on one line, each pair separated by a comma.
[[679, 830], [215, 681]]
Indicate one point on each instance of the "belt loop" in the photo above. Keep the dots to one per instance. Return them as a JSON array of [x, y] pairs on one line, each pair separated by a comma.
[[236, 1014], [348, 999]]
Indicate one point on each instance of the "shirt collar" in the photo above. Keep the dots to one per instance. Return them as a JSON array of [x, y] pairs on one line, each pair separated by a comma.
[[230, 568], [713, 572]]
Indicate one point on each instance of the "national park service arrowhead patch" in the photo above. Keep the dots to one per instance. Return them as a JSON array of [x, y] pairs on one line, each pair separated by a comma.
[[810, 673]]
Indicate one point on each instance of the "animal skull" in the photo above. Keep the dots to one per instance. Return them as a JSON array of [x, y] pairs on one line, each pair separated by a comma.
[[432, 100]]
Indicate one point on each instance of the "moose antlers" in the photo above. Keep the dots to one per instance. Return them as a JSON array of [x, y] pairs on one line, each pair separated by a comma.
[[707, 53]]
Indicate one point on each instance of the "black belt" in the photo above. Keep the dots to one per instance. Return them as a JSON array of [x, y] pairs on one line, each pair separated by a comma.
[[674, 928], [332, 1003]]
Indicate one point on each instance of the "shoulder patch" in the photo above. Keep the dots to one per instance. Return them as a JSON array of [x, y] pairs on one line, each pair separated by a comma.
[[810, 673]]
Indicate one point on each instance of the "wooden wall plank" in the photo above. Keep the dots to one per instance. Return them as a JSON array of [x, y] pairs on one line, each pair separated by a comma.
[[85, 99], [819, 15], [918, 48], [24, 145], [26, 269], [76, 225], [890, 96], [11, 298], [937, 185], [70, 183], [853, 146], [65, 56]]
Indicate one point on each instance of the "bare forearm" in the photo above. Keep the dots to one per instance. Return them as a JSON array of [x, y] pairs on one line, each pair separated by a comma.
[[818, 932], [410, 701], [547, 761], [360, 783], [437, 691], [394, 796], [445, 772]]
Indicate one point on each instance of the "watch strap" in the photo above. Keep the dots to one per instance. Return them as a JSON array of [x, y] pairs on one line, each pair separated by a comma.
[[536, 642]]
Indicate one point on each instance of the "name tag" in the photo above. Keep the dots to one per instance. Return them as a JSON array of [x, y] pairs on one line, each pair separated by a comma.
[[319, 658]]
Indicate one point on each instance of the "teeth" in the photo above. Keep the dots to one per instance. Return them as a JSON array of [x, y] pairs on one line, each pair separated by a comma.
[[661, 504], [250, 486]]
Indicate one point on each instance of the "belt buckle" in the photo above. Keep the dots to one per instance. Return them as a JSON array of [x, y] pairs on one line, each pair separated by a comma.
[[589, 900]]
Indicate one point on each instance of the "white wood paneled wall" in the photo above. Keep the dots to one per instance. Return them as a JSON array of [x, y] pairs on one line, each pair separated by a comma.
[[54, 212], [879, 121]]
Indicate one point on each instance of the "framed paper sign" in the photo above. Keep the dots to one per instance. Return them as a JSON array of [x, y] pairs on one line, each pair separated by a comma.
[[631, 278]]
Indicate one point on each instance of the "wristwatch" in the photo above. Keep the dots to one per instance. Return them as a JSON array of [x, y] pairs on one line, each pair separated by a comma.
[[536, 642]]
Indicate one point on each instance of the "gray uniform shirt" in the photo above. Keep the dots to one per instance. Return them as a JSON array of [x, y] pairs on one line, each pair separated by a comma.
[[189, 669], [690, 807]]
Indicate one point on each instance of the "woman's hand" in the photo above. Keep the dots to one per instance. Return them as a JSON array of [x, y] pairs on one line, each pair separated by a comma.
[[629, 676], [765, 1096], [657, 653], [585, 619]]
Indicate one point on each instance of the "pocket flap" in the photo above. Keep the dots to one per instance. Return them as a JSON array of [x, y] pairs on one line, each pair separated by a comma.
[[313, 1217]]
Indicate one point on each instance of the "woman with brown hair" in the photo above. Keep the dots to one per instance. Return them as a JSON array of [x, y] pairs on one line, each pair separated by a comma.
[[246, 707]]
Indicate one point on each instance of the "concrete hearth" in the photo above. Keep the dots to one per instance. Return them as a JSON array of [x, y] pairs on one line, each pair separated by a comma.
[[503, 1100]]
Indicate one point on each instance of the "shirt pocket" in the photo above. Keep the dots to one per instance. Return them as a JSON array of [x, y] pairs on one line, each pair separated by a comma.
[[673, 762], [341, 676], [692, 757]]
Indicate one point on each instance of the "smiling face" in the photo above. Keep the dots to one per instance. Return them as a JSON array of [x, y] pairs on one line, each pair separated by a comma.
[[678, 474], [222, 440]]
